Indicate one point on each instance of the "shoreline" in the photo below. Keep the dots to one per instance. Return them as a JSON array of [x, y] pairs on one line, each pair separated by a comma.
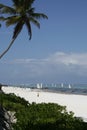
[[57, 91], [73, 102], [71, 91]]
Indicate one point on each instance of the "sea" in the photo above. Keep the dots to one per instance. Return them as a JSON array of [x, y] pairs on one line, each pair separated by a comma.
[[80, 89]]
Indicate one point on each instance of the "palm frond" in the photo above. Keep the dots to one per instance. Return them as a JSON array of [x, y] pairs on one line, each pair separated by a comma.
[[25, 3], [12, 20], [28, 3], [17, 2], [1, 6], [2, 18], [17, 29], [29, 29], [34, 21], [39, 15], [6, 9], [30, 11]]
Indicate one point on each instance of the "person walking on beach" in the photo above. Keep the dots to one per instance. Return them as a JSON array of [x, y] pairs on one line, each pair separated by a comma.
[[37, 94]]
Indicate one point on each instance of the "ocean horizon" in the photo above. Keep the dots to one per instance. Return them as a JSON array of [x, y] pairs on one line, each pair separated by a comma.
[[57, 87]]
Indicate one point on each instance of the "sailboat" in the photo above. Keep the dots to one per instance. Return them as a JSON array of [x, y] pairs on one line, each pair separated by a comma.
[[69, 86], [62, 85], [39, 85]]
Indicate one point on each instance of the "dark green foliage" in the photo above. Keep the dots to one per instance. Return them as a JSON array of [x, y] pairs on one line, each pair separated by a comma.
[[41, 116], [19, 14]]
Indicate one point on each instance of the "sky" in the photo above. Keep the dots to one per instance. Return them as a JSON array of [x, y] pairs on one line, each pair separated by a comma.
[[57, 52]]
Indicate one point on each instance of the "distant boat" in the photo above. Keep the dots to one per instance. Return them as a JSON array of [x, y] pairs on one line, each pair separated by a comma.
[[69, 86], [39, 85], [55, 85], [62, 85]]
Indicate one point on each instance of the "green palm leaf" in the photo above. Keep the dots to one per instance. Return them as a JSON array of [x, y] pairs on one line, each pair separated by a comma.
[[29, 29], [6, 9], [17, 29], [39, 15], [35, 22], [12, 20], [2, 18]]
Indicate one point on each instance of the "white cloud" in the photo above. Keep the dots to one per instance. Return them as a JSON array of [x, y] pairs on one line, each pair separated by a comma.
[[58, 66], [57, 58], [70, 58]]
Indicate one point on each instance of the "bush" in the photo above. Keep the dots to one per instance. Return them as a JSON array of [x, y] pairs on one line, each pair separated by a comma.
[[41, 116]]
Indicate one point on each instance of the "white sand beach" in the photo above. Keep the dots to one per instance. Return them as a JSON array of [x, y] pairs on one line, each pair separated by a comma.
[[75, 103]]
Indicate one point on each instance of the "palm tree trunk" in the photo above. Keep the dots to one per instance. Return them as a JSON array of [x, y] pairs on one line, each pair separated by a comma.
[[6, 50]]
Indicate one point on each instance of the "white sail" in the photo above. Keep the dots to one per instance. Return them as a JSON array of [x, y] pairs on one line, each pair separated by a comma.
[[62, 85], [39, 85], [69, 86]]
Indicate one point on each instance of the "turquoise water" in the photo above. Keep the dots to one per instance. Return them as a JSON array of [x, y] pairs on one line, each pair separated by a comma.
[[53, 85], [61, 88]]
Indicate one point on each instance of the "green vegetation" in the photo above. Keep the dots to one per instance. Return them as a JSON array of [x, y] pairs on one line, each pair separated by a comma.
[[40, 116]]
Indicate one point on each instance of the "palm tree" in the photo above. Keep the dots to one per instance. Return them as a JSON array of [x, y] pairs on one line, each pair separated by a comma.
[[19, 14]]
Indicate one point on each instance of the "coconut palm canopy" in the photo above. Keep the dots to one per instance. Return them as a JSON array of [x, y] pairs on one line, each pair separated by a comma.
[[19, 14]]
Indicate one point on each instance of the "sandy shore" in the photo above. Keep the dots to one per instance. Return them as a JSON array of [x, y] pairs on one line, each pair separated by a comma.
[[75, 103]]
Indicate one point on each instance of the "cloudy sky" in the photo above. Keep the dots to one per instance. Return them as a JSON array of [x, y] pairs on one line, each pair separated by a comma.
[[57, 52]]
